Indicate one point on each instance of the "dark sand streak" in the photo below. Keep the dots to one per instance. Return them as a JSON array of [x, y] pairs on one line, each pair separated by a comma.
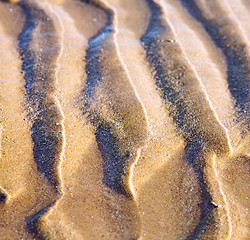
[[118, 149], [33, 222], [38, 55], [3, 196], [38, 48], [226, 35], [187, 104], [112, 107]]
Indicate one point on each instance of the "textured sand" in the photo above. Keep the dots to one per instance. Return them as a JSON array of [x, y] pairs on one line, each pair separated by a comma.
[[124, 119]]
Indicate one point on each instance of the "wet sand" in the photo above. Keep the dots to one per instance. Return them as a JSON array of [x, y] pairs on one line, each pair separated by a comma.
[[124, 119]]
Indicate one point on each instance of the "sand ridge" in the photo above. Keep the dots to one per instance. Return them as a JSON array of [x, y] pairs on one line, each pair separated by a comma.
[[124, 119]]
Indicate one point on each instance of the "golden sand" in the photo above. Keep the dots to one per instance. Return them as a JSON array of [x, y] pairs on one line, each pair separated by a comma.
[[124, 119]]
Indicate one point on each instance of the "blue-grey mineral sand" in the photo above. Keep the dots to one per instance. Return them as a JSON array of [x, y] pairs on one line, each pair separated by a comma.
[[124, 119]]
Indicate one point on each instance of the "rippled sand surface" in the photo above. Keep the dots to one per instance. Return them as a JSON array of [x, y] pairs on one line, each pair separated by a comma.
[[124, 119]]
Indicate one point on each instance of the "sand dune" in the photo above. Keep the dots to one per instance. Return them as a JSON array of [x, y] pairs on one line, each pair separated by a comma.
[[124, 119]]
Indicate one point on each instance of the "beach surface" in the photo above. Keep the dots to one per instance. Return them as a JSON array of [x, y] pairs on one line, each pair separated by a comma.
[[124, 119]]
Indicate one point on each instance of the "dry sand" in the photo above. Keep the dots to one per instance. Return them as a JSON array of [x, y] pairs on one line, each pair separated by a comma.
[[124, 119]]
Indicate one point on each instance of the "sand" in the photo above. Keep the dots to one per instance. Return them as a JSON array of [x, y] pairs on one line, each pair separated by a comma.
[[124, 119]]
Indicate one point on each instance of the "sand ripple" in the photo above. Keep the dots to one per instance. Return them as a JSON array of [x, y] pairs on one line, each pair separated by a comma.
[[124, 119]]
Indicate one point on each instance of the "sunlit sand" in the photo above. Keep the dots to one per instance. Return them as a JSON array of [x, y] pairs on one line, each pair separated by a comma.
[[124, 119]]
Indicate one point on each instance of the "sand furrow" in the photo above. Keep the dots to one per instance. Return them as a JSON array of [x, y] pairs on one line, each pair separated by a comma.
[[219, 24], [88, 141], [180, 86], [225, 200], [60, 110], [160, 158], [147, 120], [28, 191], [124, 119], [39, 69], [127, 126], [39, 49], [204, 91], [207, 62], [120, 131]]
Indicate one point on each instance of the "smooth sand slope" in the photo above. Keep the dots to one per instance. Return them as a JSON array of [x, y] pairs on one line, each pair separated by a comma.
[[124, 119]]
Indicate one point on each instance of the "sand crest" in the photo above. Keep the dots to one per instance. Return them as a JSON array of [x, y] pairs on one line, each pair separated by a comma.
[[124, 119]]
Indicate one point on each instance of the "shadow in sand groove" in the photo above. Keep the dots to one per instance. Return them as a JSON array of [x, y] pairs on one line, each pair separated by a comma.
[[118, 139], [224, 33], [38, 49], [188, 104]]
